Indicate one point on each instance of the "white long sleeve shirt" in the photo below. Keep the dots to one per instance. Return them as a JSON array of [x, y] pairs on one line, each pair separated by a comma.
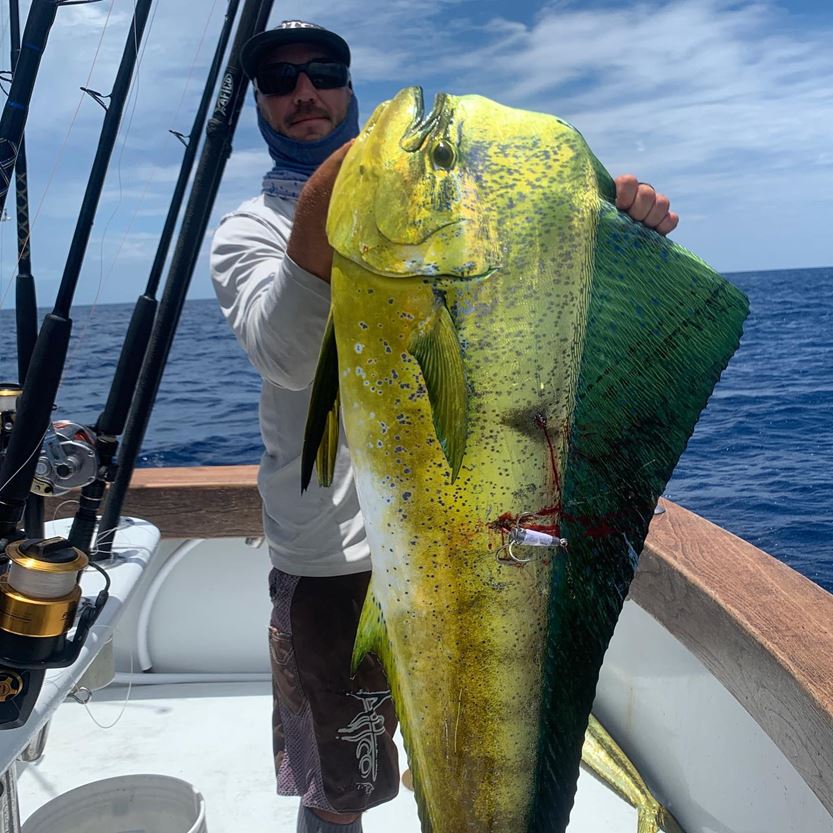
[[278, 312]]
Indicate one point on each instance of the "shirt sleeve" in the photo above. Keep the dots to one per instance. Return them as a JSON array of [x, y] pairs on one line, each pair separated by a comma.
[[276, 309]]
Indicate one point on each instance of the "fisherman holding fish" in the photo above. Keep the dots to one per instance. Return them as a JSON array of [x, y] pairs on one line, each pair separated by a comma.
[[271, 262]]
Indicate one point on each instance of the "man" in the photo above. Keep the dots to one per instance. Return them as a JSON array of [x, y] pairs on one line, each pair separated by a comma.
[[271, 268]]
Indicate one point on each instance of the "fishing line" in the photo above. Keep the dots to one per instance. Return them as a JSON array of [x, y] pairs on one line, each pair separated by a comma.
[[194, 60], [105, 277], [86, 703], [40, 585], [133, 92], [109, 536], [61, 505], [22, 466], [61, 150], [151, 179]]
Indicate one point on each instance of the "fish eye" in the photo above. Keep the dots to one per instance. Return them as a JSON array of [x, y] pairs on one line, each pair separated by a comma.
[[442, 155]]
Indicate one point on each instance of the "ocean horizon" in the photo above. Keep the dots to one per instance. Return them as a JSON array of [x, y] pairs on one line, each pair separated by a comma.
[[758, 463]]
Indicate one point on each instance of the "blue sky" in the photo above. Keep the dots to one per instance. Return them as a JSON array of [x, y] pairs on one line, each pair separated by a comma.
[[725, 106]]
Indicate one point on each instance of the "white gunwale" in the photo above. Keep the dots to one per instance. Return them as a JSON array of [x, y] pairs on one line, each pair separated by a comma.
[[764, 631]]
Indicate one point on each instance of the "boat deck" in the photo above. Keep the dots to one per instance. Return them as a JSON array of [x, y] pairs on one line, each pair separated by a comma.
[[216, 736]]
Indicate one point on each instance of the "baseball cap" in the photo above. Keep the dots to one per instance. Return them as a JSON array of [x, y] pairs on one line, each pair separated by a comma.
[[291, 31]]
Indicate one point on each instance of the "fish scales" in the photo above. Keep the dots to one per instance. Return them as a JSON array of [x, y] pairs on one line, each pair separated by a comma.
[[473, 249]]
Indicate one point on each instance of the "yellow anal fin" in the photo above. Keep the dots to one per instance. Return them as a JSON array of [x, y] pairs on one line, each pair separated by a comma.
[[321, 432], [371, 634], [372, 638], [604, 758], [325, 460], [437, 349]]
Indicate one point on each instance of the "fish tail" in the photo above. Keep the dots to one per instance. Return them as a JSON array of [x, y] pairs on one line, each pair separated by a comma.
[[647, 820], [667, 822], [653, 819]]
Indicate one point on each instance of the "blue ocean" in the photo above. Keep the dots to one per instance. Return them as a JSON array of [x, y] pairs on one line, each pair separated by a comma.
[[760, 462]]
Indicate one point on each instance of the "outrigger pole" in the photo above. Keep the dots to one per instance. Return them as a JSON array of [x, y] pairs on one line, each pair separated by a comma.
[[34, 406], [25, 70], [215, 153], [26, 308], [111, 422]]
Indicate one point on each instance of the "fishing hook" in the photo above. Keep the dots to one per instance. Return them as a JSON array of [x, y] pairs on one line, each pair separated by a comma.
[[519, 535]]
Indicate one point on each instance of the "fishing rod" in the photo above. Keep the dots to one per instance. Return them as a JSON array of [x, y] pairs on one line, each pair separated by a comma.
[[26, 307], [40, 595], [32, 423], [112, 419], [215, 153], [25, 304], [38, 25]]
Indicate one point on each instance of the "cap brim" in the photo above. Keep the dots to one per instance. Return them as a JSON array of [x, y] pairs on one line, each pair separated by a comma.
[[254, 48]]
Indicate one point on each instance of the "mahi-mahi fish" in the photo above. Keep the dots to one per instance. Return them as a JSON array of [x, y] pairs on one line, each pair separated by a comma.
[[518, 367]]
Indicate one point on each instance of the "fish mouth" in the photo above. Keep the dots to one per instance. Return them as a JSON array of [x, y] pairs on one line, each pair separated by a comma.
[[428, 273], [391, 259]]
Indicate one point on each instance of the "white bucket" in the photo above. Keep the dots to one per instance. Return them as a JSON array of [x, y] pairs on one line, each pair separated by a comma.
[[125, 804]]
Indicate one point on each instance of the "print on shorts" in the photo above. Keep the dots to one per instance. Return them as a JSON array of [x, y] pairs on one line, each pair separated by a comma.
[[363, 730]]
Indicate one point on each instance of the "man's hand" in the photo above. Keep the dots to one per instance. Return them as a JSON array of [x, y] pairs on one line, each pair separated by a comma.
[[644, 204], [308, 245]]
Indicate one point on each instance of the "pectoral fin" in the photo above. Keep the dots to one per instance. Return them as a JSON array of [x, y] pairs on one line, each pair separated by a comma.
[[321, 433], [436, 348]]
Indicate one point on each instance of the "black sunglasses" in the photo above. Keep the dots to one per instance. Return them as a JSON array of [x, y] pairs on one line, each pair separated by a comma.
[[280, 79]]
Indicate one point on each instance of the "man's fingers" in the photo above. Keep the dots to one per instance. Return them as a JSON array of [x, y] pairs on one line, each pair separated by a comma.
[[626, 188], [643, 202], [669, 223], [658, 211]]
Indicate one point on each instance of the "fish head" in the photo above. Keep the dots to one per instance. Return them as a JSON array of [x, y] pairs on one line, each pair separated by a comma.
[[429, 193], [407, 201]]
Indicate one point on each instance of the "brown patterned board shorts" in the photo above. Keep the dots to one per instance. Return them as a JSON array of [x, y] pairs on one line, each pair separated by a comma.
[[332, 735]]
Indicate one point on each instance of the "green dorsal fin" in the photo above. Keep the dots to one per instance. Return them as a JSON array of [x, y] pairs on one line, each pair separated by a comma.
[[436, 348], [321, 433], [661, 327], [604, 181]]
